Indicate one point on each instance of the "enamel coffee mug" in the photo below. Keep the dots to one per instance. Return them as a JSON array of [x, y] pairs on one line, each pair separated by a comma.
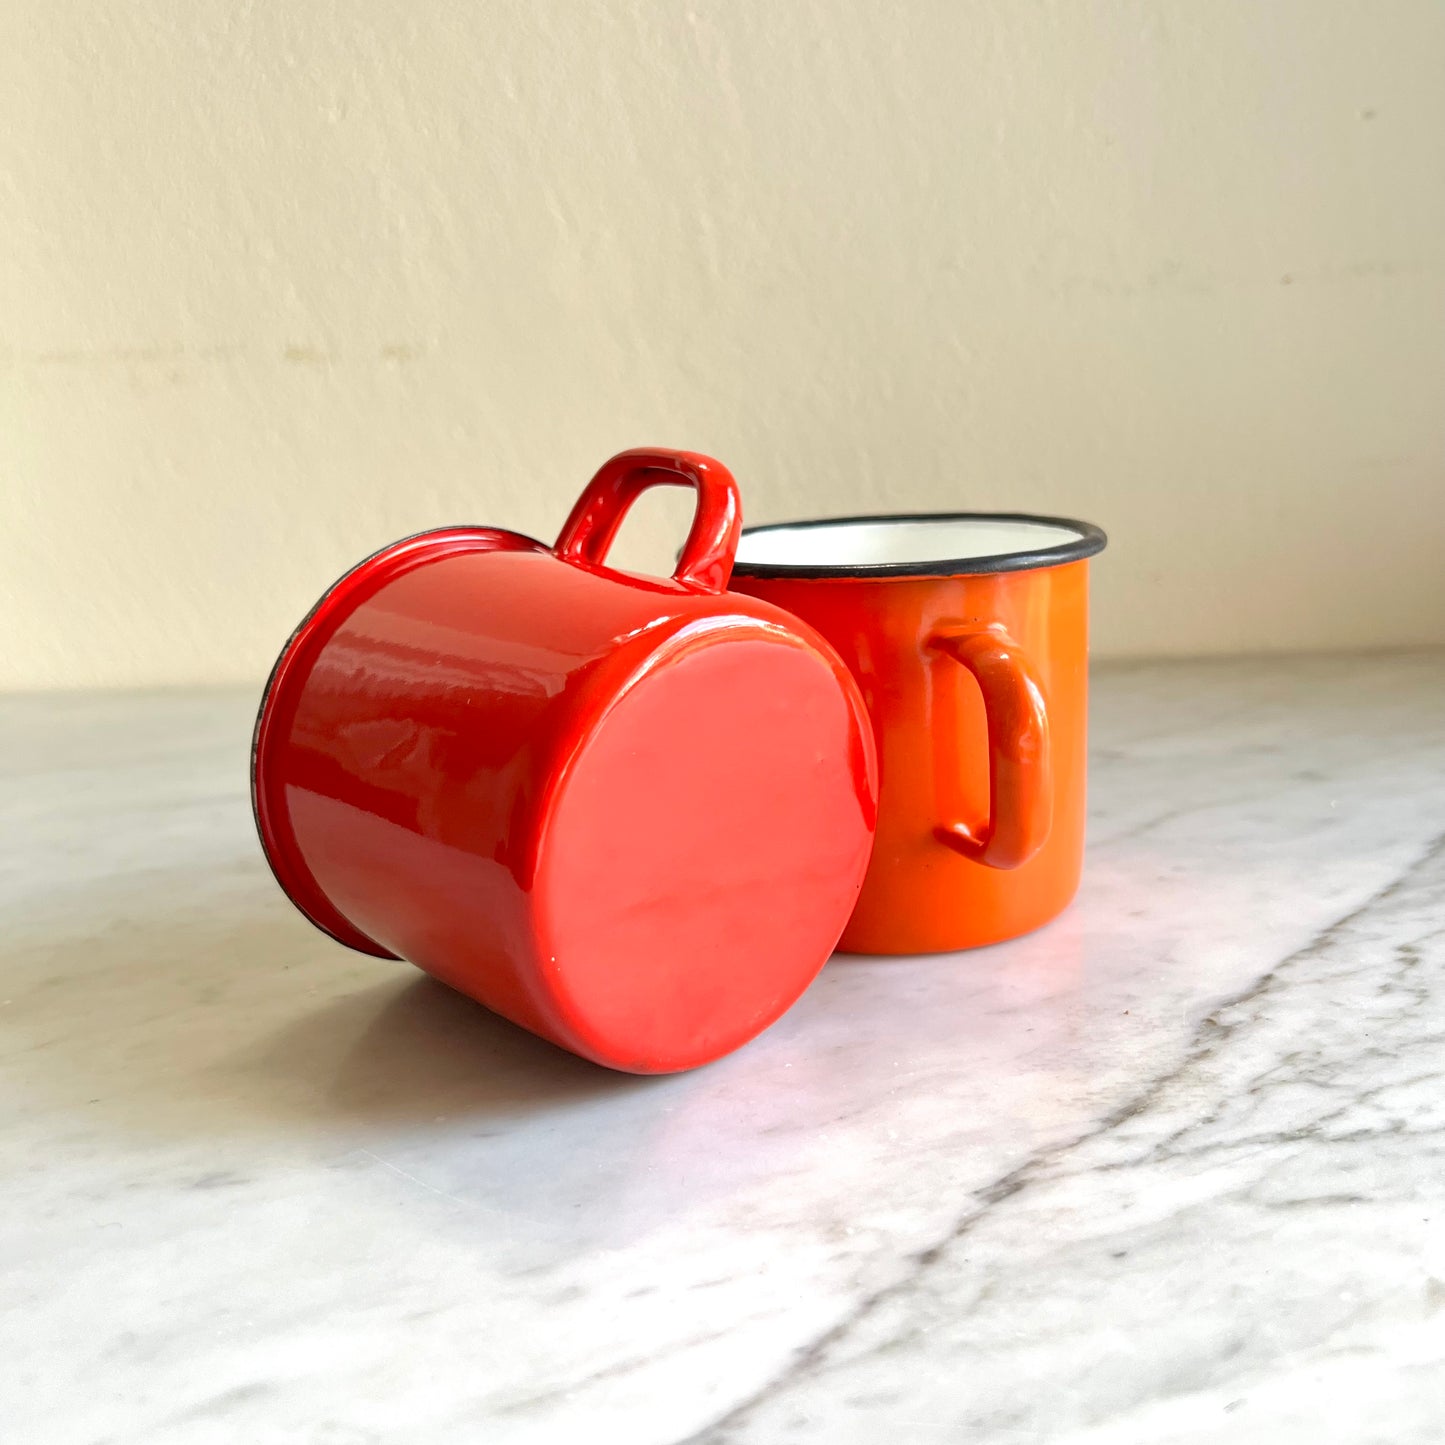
[[631, 814], [968, 635]]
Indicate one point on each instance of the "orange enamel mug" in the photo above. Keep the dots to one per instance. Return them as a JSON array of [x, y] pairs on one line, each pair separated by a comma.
[[968, 635]]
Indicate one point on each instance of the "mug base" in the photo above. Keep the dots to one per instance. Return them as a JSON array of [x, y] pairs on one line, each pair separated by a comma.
[[686, 896], [911, 939]]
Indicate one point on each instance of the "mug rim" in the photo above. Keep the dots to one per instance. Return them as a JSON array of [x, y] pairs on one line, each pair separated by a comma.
[[1089, 541], [269, 812]]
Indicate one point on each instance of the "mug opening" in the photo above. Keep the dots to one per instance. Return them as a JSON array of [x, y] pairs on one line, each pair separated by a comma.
[[934, 544]]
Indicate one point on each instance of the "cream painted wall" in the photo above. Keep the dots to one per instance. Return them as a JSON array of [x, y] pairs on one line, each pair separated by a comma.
[[279, 283]]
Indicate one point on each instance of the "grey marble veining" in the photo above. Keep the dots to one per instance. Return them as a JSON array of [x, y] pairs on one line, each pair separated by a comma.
[[1171, 1170]]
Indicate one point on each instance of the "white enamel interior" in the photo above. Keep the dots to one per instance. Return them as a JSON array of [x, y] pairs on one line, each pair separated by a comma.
[[852, 544]]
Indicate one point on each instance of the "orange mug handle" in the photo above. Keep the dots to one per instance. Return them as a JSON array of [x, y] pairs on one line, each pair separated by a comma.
[[1020, 769], [706, 562]]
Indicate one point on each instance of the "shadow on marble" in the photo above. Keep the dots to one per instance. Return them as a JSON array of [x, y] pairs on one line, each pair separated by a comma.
[[195, 1019], [411, 1049]]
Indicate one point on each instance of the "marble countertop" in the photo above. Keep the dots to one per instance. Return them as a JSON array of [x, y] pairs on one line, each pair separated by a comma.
[[1171, 1170]]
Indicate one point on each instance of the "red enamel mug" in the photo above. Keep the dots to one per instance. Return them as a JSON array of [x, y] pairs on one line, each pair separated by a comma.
[[631, 814]]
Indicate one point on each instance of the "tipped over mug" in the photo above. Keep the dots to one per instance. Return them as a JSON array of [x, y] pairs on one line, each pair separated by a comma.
[[968, 635], [631, 814]]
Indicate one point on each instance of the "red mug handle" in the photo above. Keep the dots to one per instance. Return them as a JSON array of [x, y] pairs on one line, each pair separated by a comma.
[[706, 560], [1020, 769]]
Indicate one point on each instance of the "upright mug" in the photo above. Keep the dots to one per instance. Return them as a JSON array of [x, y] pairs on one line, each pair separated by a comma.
[[968, 635]]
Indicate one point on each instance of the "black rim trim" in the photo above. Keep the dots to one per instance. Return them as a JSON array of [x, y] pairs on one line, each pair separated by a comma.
[[1091, 540], [268, 693]]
